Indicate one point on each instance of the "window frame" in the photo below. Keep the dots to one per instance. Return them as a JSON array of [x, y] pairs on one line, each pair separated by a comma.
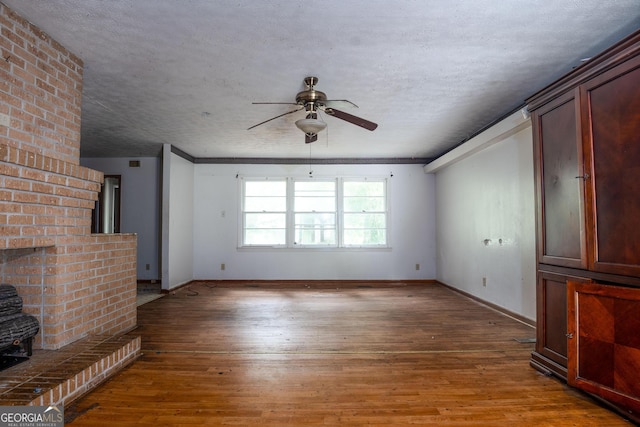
[[293, 226], [342, 213], [243, 213]]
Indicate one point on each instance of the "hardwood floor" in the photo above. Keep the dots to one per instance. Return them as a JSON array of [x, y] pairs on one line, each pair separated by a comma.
[[302, 355]]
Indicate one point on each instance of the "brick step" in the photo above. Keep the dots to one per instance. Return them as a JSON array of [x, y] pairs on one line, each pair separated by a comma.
[[55, 377]]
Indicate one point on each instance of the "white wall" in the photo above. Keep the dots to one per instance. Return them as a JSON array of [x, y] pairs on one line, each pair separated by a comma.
[[488, 194], [216, 217], [140, 206], [177, 220]]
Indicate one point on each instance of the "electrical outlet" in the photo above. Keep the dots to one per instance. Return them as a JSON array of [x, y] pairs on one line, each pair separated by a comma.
[[148, 267], [222, 266], [5, 120], [484, 282], [417, 266]]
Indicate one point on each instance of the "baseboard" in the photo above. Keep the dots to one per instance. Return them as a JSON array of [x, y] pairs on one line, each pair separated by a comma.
[[520, 318], [316, 284]]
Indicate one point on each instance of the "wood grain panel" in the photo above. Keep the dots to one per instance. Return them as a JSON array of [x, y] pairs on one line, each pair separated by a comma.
[[614, 108], [598, 362], [552, 323], [561, 213], [627, 363]]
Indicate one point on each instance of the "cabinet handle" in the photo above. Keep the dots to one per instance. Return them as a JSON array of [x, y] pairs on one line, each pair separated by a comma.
[[585, 176], [569, 336]]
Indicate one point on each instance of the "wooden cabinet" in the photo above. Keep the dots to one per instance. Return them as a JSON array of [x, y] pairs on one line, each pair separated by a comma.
[[586, 130]]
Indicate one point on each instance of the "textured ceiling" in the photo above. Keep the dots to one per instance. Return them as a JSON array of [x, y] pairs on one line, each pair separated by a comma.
[[430, 73]]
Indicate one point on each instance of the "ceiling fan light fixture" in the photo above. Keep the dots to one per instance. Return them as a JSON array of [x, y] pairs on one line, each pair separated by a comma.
[[311, 126]]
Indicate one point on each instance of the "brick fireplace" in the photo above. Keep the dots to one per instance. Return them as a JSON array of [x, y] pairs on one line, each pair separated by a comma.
[[76, 283]]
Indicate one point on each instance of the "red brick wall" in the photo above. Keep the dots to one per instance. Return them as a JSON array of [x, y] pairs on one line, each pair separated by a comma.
[[84, 286], [76, 283], [42, 198], [40, 90]]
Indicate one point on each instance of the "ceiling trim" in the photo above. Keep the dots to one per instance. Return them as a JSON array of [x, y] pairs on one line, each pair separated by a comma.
[[178, 152], [499, 132], [300, 161], [307, 161]]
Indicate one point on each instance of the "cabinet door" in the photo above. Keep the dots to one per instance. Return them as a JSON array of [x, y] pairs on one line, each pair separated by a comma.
[[604, 349], [559, 183], [551, 338], [612, 141]]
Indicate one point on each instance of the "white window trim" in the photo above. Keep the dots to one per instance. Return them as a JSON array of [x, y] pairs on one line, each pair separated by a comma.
[[241, 221], [341, 211], [291, 210]]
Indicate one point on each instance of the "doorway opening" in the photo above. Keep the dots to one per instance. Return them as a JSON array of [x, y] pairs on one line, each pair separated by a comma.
[[106, 215]]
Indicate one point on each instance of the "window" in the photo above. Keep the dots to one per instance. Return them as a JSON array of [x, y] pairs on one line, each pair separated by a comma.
[[365, 213], [265, 212], [314, 213], [314, 207]]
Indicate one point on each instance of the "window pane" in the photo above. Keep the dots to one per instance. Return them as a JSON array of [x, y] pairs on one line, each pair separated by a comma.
[[315, 237], [316, 219], [364, 204], [265, 188], [319, 229], [364, 196], [364, 188], [365, 237], [315, 204], [315, 196], [265, 220], [365, 220], [264, 237], [265, 196], [265, 204], [315, 187]]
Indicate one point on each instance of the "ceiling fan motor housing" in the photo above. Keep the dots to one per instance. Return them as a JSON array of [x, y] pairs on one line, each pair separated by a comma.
[[311, 96]]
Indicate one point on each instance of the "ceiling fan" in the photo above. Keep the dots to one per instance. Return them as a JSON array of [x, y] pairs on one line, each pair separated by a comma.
[[312, 100]]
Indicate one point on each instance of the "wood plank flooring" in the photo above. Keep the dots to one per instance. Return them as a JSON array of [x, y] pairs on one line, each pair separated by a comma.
[[248, 354]]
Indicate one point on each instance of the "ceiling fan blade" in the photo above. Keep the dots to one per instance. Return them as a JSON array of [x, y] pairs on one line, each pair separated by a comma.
[[310, 137], [274, 103], [339, 103], [273, 118], [351, 118]]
